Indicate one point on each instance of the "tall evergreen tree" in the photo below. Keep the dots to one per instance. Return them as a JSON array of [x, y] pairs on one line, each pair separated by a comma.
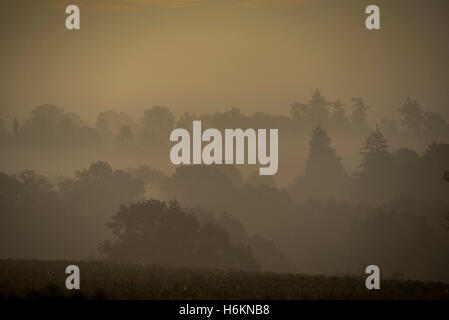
[[359, 114], [315, 112], [338, 117], [323, 160], [324, 176], [318, 107], [436, 127], [413, 119], [374, 145], [376, 181]]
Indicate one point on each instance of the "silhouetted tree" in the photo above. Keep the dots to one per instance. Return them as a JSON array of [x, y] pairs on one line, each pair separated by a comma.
[[101, 186], [318, 108], [376, 180], [97, 192], [315, 112], [436, 128], [324, 176], [412, 117], [269, 256], [154, 232], [186, 119], [375, 145], [156, 124], [153, 180], [232, 118], [338, 117], [358, 117], [408, 161], [125, 136], [110, 122], [434, 162], [322, 159], [191, 185], [50, 127], [33, 219]]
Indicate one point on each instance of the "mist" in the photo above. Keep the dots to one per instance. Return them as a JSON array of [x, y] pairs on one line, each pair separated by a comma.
[[362, 120], [218, 54]]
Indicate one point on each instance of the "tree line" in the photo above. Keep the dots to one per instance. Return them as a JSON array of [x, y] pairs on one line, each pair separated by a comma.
[[391, 209], [49, 125]]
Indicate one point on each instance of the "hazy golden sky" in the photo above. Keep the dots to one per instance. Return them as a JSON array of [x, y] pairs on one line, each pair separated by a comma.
[[205, 55]]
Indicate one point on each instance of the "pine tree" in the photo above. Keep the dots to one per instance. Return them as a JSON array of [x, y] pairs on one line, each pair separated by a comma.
[[413, 117], [338, 117], [375, 144], [324, 178], [359, 114], [318, 108], [376, 181], [323, 160], [315, 112]]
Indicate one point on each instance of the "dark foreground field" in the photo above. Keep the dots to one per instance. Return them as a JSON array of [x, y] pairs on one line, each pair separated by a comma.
[[101, 280]]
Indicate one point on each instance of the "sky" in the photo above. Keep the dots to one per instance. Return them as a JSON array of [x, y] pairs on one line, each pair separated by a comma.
[[209, 55]]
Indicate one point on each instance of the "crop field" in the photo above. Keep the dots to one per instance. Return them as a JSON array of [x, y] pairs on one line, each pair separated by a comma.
[[37, 279]]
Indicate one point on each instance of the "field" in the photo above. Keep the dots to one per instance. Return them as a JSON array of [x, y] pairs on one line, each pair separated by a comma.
[[35, 279]]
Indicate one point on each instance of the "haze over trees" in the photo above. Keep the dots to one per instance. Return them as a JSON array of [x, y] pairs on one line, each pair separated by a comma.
[[159, 233], [348, 192], [324, 175]]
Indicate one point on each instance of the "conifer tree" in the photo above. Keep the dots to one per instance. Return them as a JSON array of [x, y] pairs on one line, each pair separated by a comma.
[[413, 119], [338, 117], [374, 145], [359, 114], [322, 159], [315, 112]]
